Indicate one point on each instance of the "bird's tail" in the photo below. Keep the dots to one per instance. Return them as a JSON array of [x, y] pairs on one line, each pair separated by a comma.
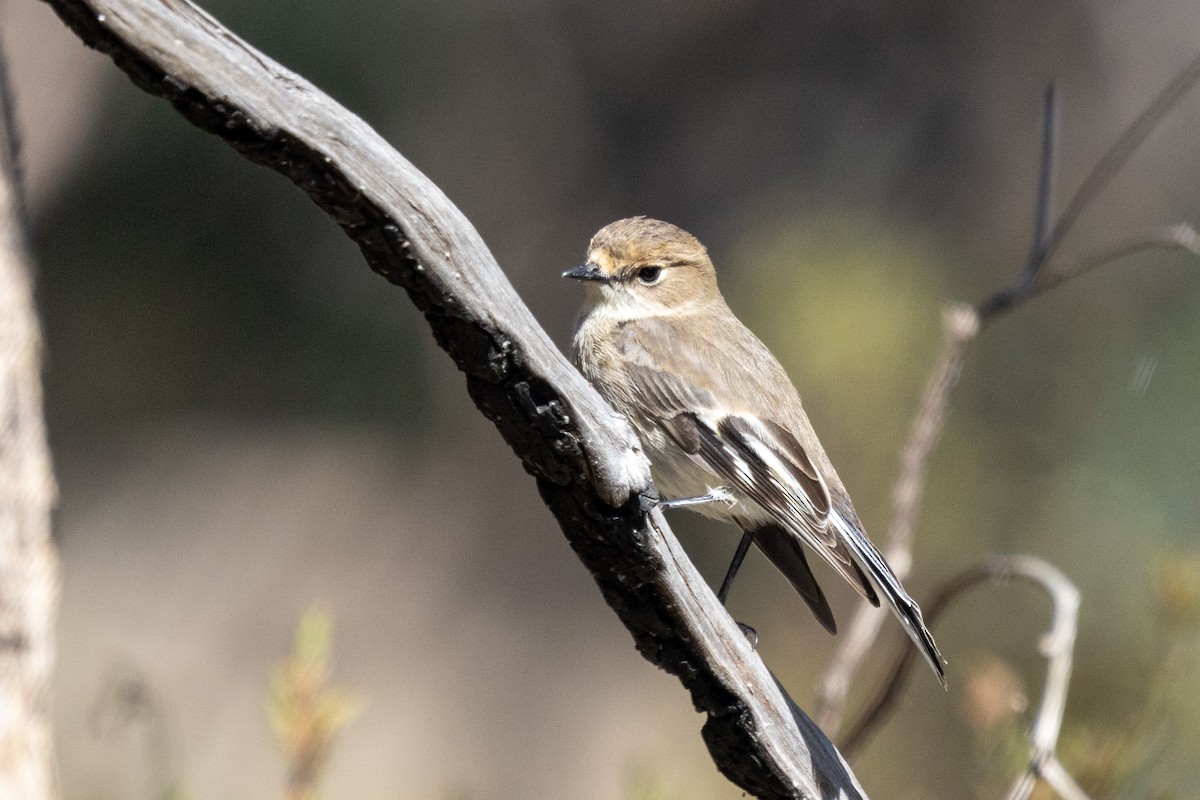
[[785, 552], [903, 607]]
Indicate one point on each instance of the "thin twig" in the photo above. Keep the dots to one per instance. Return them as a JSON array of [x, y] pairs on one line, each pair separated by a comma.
[[1031, 282], [879, 708], [960, 324], [1181, 236], [1057, 646], [1043, 220], [1121, 151], [1057, 777], [1038, 276]]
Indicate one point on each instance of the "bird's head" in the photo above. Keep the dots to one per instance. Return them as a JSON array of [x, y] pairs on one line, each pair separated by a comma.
[[641, 267]]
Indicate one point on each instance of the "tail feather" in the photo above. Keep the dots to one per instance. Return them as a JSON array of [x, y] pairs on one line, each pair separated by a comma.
[[902, 606], [787, 554]]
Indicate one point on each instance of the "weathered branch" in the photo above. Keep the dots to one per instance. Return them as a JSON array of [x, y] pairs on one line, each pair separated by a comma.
[[1039, 275], [587, 461], [28, 561], [1057, 646]]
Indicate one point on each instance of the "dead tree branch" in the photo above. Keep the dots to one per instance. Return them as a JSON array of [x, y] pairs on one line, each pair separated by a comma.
[[586, 460], [1041, 273], [28, 561], [1057, 646]]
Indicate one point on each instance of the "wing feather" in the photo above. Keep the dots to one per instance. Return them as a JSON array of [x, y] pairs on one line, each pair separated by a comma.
[[757, 457], [902, 606]]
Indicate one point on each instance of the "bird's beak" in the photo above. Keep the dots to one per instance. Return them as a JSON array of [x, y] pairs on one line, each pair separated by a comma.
[[586, 272]]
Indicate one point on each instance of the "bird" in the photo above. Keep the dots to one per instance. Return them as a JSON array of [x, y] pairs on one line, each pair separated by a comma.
[[719, 418]]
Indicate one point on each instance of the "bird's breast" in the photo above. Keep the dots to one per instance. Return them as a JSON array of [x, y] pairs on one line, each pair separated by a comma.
[[677, 475]]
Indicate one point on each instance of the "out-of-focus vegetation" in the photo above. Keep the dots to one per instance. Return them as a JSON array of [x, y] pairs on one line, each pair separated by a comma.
[[306, 713], [244, 417], [1146, 754], [127, 711]]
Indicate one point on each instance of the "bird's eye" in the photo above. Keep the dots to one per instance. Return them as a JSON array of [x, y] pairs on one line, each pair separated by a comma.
[[649, 275]]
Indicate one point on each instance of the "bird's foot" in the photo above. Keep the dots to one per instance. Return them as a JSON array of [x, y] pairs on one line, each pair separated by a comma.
[[750, 634], [721, 494]]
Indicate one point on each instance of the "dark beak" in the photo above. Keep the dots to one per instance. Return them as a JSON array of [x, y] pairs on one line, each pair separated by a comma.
[[586, 272]]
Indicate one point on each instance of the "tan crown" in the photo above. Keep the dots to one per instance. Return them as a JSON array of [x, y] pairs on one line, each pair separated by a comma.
[[623, 248]]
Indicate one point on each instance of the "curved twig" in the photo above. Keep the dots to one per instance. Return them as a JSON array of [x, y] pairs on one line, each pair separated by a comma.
[[1057, 645], [586, 459], [893, 683], [1171, 237]]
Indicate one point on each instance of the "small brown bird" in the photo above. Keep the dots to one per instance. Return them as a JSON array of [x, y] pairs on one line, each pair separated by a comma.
[[721, 422]]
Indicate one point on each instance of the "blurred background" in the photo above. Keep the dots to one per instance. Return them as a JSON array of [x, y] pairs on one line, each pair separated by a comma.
[[245, 420]]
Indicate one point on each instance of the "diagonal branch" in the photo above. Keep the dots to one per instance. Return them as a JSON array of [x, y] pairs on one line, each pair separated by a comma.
[[587, 462]]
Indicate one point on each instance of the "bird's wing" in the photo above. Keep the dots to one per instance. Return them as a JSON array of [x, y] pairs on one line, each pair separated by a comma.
[[756, 456], [759, 442], [764, 461]]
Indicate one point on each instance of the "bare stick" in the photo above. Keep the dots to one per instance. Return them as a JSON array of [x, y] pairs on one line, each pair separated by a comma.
[[28, 561], [1057, 646], [959, 326], [1120, 152], [1057, 777], [1039, 275], [884, 702], [1043, 221], [587, 461]]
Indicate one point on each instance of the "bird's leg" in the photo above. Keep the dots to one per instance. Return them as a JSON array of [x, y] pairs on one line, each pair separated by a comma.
[[738, 557], [750, 634], [721, 494]]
